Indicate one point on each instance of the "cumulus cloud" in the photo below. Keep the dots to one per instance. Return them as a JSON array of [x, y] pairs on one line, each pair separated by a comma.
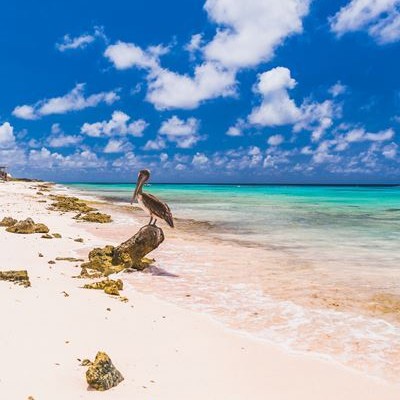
[[185, 133], [337, 89], [390, 151], [361, 135], [64, 141], [81, 159], [249, 31], [276, 108], [80, 42], [275, 140], [118, 125], [247, 34], [7, 138], [199, 160], [238, 128], [74, 100], [380, 18], [117, 146], [317, 117]]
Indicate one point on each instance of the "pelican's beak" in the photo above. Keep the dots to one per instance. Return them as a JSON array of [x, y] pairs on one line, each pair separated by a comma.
[[139, 184]]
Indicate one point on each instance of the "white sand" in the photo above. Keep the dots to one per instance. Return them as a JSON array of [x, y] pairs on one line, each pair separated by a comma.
[[164, 352]]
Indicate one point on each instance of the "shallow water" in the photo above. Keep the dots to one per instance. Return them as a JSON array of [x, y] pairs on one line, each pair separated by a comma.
[[321, 274]]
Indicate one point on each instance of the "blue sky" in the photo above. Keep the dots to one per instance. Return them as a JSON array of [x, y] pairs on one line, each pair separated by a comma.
[[292, 91]]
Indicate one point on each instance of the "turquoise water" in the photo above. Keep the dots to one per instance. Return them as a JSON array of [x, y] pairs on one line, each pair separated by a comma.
[[359, 223]]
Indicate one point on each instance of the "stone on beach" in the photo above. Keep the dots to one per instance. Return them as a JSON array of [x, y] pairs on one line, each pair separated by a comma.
[[95, 217], [27, 226], [102, 374], [8, 221], [66, 203], [130, 254], [108, 285], [17, 277]]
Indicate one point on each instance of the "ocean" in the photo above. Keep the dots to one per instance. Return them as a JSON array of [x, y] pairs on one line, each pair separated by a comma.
[[313, 268]]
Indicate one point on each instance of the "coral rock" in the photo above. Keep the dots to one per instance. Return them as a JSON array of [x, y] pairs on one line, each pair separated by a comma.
[[27, 226], [101, 374], [8, 221], [66, 203], [18, 277], [96, 217], [108, 285]]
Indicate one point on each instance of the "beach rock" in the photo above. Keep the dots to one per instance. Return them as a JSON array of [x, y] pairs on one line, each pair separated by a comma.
[[66, 203], [102, 374], [47, 236], [79, 240], [108, 285], [130, 254], [70, 259], [95, 217], [8, 221], [57, 236], [18, 277], [27, 226]]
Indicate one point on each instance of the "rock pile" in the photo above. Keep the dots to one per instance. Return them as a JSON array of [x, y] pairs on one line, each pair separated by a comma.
[[101, 374], [27, 226], [17, 277], [85, 212]]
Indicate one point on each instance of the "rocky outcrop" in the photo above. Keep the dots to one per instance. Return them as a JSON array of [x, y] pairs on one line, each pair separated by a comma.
[[95, 217], [27, 226], [102, 374], [8, 221], [17, 277], [108, 285], [66, 203], [130, 254], [85, 212]]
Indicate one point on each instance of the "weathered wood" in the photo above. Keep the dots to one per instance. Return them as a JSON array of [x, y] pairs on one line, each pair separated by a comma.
[[147, 239]]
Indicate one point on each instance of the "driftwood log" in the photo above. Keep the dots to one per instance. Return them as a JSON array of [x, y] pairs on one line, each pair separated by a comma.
[[129, 254]]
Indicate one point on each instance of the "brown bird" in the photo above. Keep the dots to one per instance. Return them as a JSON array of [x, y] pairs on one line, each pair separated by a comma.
[[150, 204]]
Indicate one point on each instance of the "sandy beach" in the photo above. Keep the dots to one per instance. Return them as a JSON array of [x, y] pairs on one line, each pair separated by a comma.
[[164, 351]]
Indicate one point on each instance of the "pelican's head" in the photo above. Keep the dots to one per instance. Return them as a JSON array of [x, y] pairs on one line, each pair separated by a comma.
[[143, 177]]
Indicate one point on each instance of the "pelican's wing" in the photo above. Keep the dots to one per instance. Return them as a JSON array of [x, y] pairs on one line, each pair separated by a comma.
[[158, 208]]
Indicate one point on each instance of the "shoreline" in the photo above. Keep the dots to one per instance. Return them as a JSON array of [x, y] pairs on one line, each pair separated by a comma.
[[186, 353], [326, 310]]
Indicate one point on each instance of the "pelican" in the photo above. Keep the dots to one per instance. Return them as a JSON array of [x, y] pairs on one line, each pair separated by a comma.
[[150, 204]]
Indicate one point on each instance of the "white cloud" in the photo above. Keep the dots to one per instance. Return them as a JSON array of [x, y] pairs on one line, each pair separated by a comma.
[[81, 41], [390, 151], [168, 90], [118, 125], [238, 128], [157, 144], [44, 158], [200, 159], [276, 106], [317, 117], [25, 112], [182, 132], [195, 43], [275, 140], [337, 89], [127, 55], [249, 31], [72, 101], [247, 34], [7, 138], [361, 135], [64, 140], [380, 18], [117, 146]]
